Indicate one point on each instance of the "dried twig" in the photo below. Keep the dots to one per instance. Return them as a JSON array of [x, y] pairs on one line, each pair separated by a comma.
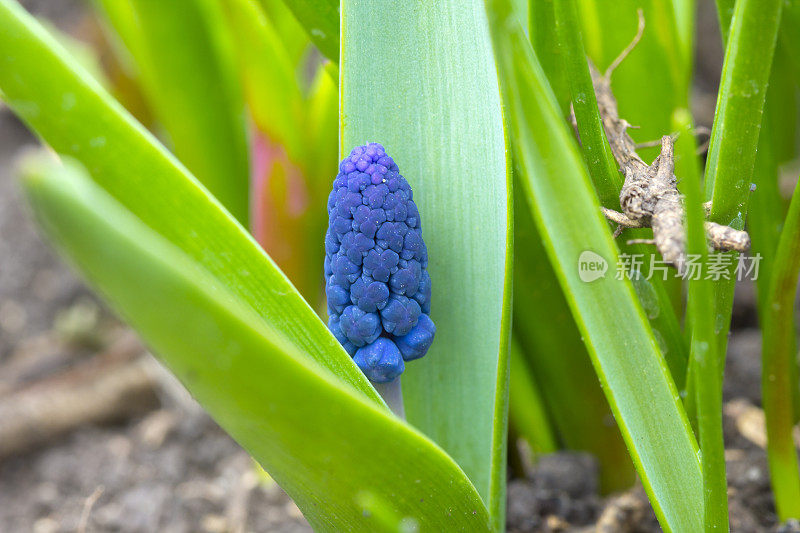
[[649, 196], [87, 508], [113, 385]]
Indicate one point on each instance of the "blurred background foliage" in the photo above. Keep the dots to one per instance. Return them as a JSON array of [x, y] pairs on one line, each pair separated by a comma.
[[246, 101]]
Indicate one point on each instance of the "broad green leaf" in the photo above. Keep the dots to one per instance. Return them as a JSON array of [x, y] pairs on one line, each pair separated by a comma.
[[320, 19], [427, 90], [184, 59], [75, 116], [557, 357], [82, 51], [619, 339], [338, 455]]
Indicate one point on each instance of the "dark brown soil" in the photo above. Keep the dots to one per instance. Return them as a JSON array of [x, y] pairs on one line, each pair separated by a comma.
[[561, 494]]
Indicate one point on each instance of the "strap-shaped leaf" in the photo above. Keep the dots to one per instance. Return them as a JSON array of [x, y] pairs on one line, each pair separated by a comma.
[[74, 115], [624, 352], [348, 464], [427, 90]]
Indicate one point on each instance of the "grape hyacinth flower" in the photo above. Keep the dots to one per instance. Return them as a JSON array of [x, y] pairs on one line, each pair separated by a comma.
[[376, 277]]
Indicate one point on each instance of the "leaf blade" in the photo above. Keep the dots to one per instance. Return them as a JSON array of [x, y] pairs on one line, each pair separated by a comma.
[[325, 443], [38, 77], [606, 311], [320, 19], [433, 102]]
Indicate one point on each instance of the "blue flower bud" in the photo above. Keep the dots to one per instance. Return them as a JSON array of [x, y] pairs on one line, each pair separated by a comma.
[[380, 361], [376, 279], [359, 327], [416, 342]]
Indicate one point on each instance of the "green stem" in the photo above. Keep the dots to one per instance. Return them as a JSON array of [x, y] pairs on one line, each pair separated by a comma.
[[392, 394], [777, 358]]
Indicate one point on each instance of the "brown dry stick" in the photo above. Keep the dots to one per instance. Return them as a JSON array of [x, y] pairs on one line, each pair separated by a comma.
[[649, 196]]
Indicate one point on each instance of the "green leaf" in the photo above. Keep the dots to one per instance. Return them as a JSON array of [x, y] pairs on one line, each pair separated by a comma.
[[338, 455], [188, 75], [272, 92], [767, 208], [294, 142], [602, 166], [737, 118], [724, 16], [706, 372], [557, 357], [70, 111], [320, 19], [779, 349], [527, 412], [777, 240], [776, 145], [790, 35], [685, 11], [624, 351], [737, 122], [293, 36], [119, 19], [427, 90], [545, 42]]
